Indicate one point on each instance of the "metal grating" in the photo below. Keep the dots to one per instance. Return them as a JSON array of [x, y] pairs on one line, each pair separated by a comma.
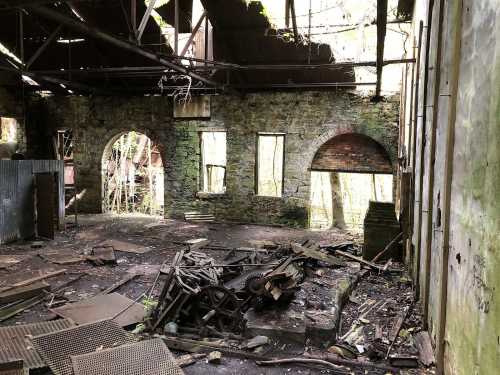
[[58, 347], [15, 343], [150, 357]]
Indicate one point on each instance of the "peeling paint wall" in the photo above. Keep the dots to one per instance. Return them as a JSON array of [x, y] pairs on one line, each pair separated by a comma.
[[460, 279], [308, 119]]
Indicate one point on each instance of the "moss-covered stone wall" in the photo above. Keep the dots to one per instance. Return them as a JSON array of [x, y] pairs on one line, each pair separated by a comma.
[[307, 118]]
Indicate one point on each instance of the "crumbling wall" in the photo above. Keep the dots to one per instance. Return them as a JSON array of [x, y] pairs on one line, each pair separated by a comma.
[[309, 119]]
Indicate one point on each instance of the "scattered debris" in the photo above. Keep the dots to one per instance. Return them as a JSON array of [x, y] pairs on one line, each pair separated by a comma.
[[196, 244], [313, 251], [126, 247], [257, 341], [9, 260], [23, 292], [16, 344], [196, 216], [214, 357], [189, 359], [57, 348], [424, 346], [120, 283]]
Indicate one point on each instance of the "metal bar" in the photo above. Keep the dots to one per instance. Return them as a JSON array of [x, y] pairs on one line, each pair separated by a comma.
[[287, 13], [193, 34], [222, 66], [176, 26], [57, 81], [145, 19], [95, 33], [294, 21], [381, 30], [133, 16], [21, 34], [44, 46], [301, 85], [125, 16]]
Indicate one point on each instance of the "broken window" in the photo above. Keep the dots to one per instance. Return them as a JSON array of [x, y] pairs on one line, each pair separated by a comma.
[[270, 164], [213, 160]]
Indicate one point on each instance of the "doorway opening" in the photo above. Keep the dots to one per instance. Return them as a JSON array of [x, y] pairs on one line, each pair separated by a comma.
[[133, 175], [348, 172]]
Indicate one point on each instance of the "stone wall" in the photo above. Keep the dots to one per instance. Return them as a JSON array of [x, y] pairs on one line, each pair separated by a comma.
[[309, 119]]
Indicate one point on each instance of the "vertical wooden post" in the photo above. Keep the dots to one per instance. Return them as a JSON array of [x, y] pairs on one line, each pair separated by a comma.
[[176, 25], [21, 34]]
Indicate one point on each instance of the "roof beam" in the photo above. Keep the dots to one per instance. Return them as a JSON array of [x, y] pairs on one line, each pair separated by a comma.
[[97, 34], [145, 19], [193, 34], [294, 21], [381, 30], [44, 46]]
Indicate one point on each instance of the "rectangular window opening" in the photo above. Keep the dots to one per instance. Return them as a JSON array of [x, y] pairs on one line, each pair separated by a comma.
[[213, 155], [270, 164]]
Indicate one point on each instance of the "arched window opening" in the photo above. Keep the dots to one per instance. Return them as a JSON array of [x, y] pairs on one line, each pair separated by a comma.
[[133, 177]]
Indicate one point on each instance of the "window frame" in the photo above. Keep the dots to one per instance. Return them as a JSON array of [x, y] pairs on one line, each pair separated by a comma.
[[257, 144], [202, 169]]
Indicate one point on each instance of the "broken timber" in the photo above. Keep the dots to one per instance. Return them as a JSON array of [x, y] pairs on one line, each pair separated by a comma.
[[316, 253]]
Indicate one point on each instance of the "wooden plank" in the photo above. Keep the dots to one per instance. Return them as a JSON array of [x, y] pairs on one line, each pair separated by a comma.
[[317, 254], [23, 292], [38, 278], [358, 259]]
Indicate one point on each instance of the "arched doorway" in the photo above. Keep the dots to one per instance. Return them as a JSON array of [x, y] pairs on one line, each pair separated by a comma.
[[132, 175], [347, 172]]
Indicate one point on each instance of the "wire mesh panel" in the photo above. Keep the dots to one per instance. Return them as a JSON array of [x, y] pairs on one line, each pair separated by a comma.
[[150, 357], [57, 348], [14, 342]]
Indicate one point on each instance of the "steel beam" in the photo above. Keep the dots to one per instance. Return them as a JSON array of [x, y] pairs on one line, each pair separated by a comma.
[[44, 46], [381, 30], [97, 34], [193, 34], [145, 19]]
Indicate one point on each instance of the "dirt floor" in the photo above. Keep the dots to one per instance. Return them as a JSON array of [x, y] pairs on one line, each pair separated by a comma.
[[369, 313]]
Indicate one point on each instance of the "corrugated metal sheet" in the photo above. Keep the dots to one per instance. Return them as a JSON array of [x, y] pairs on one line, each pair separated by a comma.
[[17, 196], [8, 205], [15, 343]]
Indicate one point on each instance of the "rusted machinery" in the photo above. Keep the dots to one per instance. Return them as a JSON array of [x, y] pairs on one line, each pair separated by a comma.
[[201, 297]]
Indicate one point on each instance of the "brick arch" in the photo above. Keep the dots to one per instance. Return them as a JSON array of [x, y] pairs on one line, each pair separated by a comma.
[[330, 135], [352, 152]]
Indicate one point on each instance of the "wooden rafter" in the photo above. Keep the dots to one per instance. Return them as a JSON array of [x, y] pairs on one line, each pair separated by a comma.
[[381, 30]]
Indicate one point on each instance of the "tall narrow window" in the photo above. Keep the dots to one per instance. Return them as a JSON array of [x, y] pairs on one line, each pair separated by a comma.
[[213, 154], [270, 157]]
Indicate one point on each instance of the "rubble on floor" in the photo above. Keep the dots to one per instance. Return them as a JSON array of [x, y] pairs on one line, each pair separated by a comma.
[[263, 299]]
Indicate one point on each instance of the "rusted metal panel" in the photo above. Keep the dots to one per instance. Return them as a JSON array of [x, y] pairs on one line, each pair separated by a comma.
[[8, 205], [45, 204], [149, 357], [16, 344], [25, 198], [57, 348], [17, 196]]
